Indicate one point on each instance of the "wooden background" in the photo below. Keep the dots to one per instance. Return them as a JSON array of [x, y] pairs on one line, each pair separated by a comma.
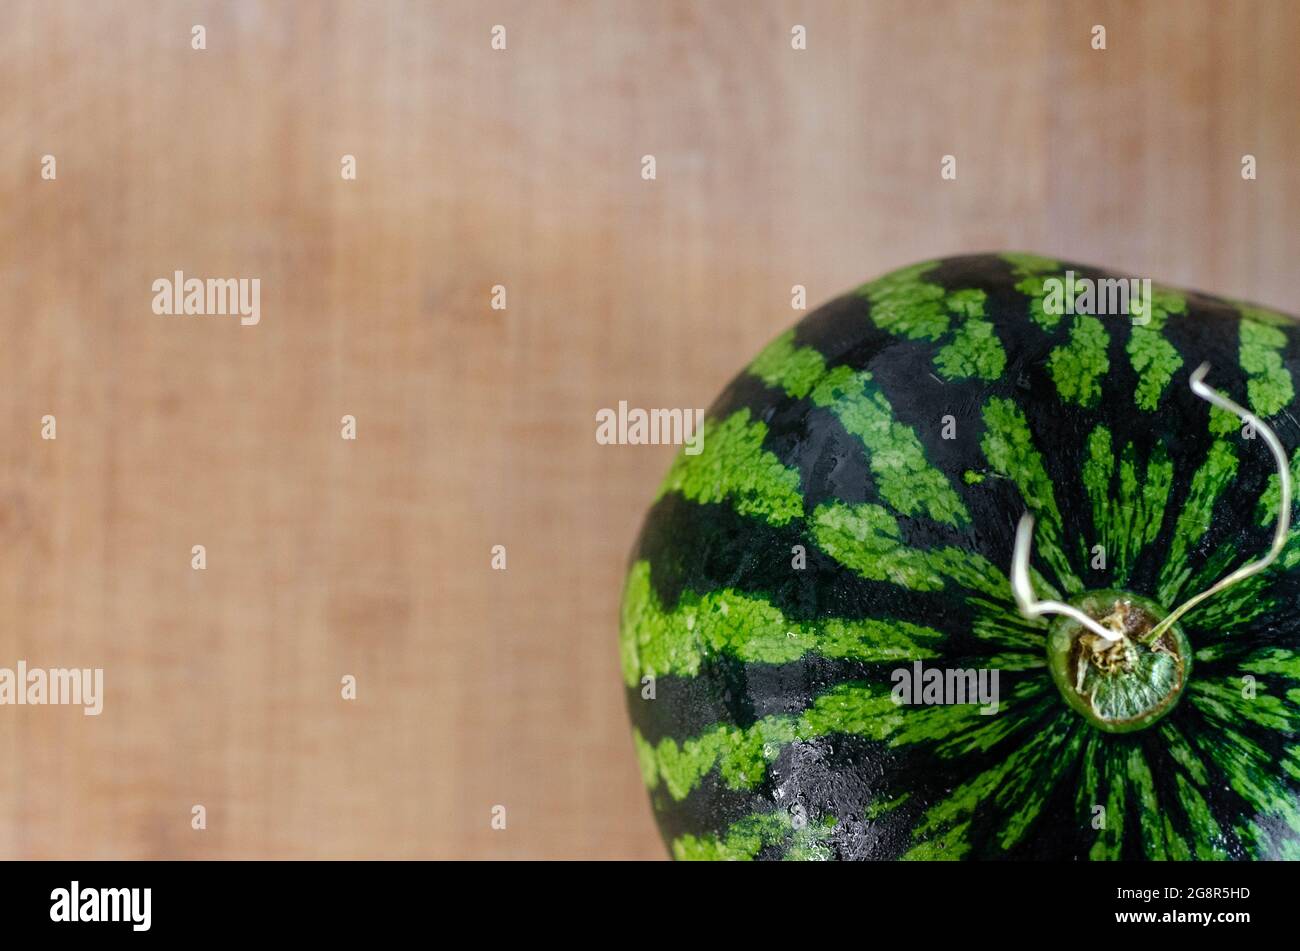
[[476, 427]]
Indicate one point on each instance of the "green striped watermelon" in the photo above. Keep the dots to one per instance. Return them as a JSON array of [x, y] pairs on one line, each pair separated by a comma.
[[853, 514]]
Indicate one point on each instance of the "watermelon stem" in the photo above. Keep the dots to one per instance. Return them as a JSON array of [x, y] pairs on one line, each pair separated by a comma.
[[1283, 508], [1119, 687]]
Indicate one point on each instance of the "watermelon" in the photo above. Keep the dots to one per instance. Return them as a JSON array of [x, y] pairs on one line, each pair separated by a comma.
[[810, 592]]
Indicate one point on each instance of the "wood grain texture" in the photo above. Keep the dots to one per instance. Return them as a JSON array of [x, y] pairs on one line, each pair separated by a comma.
[[477, 168]]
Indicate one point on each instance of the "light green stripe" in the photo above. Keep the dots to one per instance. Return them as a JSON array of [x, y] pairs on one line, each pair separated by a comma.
[[1208, 483], [1009, 448], [1086, 797], [1236, 607], [747, 837], [1290, 556], [949, 845], [904, 478], [734, 466], [1005, 662], [1018, 787], [867, 539], [1268, 387], [1031, 800], [1274, 661], [645, 755], [787, 367], [1033, 272], [1128, 521], [1078, 366], [656, 642], [1266, 508], [742, 756], [1142, 511], [1206, 833], [905, 305], [1182, 753], [1224, 701], [1149, 817], [1109, 843], [974, 350], [1212, 568], [1252, 774], [1222, 422], [1291, 758], [882, 807], [1002, 626], [1262, 315], [956, 730], [1154, 358], [1176, 848], [1098, 471]]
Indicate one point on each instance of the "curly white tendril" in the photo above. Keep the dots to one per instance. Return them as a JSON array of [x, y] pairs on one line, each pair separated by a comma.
[[1023, 588]]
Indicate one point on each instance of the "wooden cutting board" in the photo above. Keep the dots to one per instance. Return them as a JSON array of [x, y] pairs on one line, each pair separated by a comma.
[[475, 427]]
